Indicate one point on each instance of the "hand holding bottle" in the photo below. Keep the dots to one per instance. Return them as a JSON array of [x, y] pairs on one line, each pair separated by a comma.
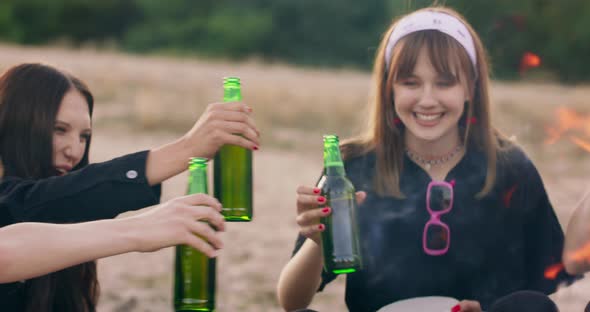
[[220, 124], [308, 213], [177, 222]]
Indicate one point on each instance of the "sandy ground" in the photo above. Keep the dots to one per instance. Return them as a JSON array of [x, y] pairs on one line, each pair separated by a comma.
[[255, 252]]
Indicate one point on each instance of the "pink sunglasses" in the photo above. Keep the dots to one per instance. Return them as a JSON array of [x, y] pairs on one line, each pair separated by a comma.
[[436, 237]]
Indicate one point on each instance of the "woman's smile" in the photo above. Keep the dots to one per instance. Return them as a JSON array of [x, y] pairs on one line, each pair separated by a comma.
[[429, 119]]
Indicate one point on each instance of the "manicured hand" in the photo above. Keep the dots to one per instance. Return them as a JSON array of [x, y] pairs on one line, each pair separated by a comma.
[[309, 212], [220, 124]]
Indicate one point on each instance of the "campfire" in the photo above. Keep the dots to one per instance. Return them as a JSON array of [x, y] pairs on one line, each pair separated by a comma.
[[575, 128]]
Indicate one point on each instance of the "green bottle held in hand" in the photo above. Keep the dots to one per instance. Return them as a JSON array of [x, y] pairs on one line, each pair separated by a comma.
[[232, 169], [194, 273], [340, 243]]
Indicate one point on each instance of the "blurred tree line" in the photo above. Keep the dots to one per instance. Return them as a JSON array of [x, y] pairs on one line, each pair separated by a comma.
[[310, 32]]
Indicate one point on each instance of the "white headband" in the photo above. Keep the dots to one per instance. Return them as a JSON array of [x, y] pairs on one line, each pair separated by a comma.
[[431, 20]]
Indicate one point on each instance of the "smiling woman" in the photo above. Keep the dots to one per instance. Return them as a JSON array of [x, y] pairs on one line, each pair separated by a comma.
[[447, 205], [45, 135]]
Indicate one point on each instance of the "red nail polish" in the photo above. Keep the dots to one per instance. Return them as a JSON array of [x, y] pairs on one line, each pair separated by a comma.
[[255, 148], [456, 308], [321, 199], [326, 210], [321, 227], [316, 190]]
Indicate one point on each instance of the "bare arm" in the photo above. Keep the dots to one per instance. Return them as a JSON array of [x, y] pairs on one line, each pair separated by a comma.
[[301, 277], [32, 249], [220, 124], [576, 253], [29, 250]]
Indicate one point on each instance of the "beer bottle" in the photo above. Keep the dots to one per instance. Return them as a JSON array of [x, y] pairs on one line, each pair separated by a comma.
[[340, 237], [232, 169], [194, 278]]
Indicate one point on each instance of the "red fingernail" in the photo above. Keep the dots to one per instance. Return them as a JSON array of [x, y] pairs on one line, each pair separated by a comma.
[[255, 148], [456, 308], [321, 227], [326, 210], [316, 190], [321, 199]]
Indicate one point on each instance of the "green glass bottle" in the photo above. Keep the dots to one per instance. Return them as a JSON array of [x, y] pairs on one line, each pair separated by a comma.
[[194, 273], [340, 244], [232, 169]]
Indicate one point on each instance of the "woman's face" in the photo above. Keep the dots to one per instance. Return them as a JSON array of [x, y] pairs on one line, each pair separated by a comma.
[[71, 132], [429, 104]]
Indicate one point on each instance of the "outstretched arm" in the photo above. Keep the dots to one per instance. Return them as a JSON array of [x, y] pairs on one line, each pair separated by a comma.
[[30, 249], [220, 124]]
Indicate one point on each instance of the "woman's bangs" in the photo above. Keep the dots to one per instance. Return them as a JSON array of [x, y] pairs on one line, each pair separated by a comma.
[[446, 55], [405, 56]]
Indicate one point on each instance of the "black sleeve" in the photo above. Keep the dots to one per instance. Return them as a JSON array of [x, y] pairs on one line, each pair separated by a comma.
[[327, 277], [98, 191], [544, 238]]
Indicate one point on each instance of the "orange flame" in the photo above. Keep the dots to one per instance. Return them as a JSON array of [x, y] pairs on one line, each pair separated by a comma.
[[552, 271], [569, 121], [581, 143], [582, 254]]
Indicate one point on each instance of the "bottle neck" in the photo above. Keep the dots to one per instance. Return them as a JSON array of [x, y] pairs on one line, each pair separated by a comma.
[[333, 160], [335, 171], [197, 181], [232, 93]]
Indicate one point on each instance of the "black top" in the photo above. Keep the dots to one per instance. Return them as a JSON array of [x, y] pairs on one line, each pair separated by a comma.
[[498, 244], [98, 191]]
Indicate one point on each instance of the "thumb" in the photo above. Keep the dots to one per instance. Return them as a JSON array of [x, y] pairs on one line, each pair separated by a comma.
[[360, 197]]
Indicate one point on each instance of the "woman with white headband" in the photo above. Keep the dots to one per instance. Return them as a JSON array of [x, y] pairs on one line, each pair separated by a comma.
[[493, 234]]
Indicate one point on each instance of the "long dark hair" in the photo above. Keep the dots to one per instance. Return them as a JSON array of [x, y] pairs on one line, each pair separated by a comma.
[[30, 97]]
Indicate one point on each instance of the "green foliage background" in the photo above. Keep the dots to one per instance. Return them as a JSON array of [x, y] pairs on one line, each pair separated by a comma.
[[330, 33]]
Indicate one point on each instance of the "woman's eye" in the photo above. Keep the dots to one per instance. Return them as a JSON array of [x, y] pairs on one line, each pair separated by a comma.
[[409, 83], [446, 83], [60, 130]]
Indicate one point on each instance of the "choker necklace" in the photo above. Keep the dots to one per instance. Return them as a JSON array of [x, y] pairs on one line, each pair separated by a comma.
[[438, 160]]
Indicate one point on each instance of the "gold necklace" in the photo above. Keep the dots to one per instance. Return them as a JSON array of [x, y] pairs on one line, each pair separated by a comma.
[[428, 163]]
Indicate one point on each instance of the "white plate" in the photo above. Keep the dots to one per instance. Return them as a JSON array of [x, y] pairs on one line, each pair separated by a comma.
[[421, 304]]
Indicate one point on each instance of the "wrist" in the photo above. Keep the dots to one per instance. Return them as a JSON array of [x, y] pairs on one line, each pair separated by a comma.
[[187, 147], [167, 161], [129, 232]]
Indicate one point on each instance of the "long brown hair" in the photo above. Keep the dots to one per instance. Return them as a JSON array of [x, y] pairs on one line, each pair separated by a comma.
[[30, 96], [385, 138]]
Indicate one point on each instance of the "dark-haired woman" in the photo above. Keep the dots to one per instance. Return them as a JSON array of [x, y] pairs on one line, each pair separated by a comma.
[[45, 134]]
